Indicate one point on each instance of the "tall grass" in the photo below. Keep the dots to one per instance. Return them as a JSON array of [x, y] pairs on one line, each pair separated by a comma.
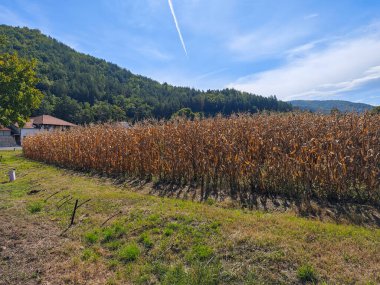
[[328, 157]]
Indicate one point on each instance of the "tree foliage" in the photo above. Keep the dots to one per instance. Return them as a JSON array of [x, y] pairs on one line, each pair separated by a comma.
[[18, 92], [102, 91], [376, 110]]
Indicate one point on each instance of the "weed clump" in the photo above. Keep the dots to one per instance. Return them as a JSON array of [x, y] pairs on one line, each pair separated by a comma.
[[35, 207], [146, 240], [306, 273], [201, 252], [91, 237], [114, 232], [129, 253]]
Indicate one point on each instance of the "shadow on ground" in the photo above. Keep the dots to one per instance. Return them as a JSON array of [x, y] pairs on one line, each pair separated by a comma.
[[338, 212]]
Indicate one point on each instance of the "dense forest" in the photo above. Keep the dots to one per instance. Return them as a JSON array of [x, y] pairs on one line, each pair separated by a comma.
[[82, 89]]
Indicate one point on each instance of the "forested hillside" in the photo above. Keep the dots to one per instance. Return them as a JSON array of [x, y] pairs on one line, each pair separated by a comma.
[[325, 106], [82, 89]]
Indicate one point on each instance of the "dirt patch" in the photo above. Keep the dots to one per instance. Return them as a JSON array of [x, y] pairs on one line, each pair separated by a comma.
[[32, 252]]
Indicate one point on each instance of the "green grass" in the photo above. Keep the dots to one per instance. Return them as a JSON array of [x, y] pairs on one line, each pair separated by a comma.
[[91, 237], [145, 240], [182, 242], [35, 207], [129, 252], [112, 233], [201, 252], [306, 273], [90, 254]]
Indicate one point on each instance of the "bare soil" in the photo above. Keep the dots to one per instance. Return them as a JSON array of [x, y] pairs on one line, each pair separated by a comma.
[[33, 252]]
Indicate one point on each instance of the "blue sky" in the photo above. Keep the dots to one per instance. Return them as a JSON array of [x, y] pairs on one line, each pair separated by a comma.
[[302, 49]]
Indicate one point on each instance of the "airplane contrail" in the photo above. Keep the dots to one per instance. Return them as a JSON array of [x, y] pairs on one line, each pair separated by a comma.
[[177, 26]]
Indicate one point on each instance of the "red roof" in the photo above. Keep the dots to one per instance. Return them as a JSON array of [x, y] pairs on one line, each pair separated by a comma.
[[49, 120]]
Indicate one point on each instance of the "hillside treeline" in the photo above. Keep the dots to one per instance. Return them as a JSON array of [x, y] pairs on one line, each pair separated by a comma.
[[82, 89]]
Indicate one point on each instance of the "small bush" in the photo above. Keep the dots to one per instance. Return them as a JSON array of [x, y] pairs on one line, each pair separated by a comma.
[[35, 207], [306, 273], [129, 253]]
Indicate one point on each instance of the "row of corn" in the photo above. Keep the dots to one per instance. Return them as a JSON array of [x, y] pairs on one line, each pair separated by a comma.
[[326, 157]]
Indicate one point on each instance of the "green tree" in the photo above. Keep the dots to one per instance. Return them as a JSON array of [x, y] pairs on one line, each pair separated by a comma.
[[184, 113], [18, 93], [375, 110]]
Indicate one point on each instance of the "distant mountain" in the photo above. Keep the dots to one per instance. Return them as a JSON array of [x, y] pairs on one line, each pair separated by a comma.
[[325, 106], [80, 88]]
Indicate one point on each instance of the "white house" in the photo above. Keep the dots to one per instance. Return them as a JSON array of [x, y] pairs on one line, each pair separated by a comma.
[[39, 124]]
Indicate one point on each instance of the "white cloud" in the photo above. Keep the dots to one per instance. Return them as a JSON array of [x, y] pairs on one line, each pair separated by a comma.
[[311, 16], [341, 65], [267, 41]]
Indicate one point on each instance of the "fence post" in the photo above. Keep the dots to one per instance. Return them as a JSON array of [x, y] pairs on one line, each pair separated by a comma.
[[12, 175], [73, 215]]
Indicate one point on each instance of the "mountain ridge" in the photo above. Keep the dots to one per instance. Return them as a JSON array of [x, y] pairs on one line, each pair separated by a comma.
[[325, 106]]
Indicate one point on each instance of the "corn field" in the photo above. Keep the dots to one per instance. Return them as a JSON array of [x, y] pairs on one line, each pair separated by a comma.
[[313, 156]]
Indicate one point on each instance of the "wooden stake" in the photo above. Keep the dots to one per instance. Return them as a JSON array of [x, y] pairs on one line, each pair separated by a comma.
[[74, 211]]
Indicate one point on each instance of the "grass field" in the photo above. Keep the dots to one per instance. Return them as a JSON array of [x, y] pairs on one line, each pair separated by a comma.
[[158, 240]]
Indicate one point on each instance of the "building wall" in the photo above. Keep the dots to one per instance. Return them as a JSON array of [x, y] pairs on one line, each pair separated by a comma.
[[5, 133], [29, 132]]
